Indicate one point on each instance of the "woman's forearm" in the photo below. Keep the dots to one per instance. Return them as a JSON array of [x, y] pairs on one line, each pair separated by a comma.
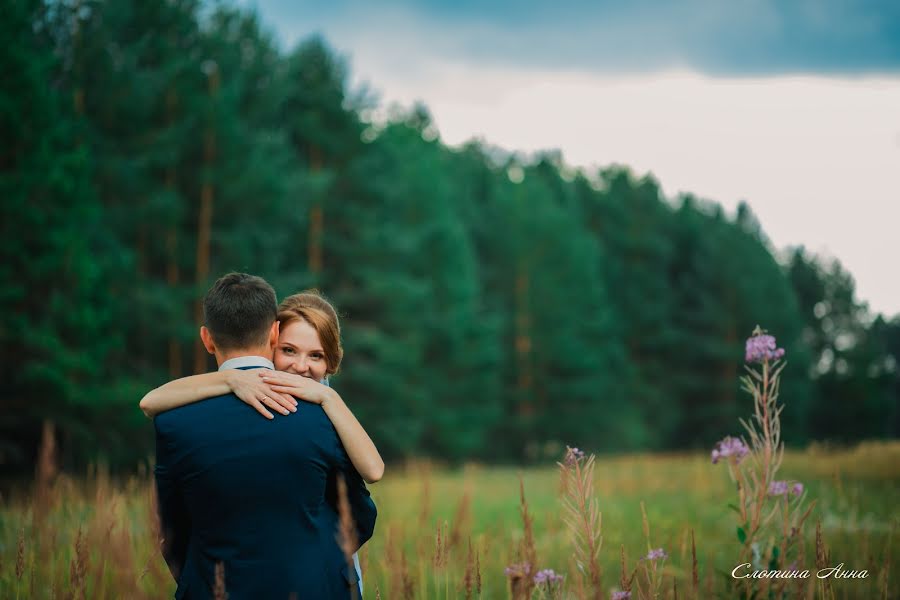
[[185, 391], [359, 446]]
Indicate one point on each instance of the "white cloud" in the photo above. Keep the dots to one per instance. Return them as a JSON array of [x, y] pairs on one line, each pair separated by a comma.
[[816, 158]]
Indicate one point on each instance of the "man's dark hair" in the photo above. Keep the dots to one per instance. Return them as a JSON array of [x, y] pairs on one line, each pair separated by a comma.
[[239, 310]]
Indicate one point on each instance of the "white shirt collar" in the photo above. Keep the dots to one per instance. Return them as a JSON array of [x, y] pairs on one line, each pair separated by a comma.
[[242, 362]]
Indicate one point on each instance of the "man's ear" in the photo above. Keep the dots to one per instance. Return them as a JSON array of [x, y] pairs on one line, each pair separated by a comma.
[[206, 338], [273, 334]]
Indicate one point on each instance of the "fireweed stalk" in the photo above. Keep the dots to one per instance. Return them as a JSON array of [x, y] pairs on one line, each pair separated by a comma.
[[753, 468], [582, 517]]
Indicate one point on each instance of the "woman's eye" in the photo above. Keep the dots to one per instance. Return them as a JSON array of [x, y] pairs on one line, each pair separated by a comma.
[[287, 350]]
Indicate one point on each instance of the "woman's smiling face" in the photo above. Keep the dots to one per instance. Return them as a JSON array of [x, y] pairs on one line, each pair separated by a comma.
[[299, 351]]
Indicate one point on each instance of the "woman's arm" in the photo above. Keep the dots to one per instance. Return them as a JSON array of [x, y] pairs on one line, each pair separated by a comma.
[[359, 446], [245, 384]]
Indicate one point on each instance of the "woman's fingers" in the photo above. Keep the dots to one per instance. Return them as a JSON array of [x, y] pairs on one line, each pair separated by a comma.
[[270, 402], [291, 401], [283, 401], [286, 379], [292, 391], [261, 409], [284, 389]]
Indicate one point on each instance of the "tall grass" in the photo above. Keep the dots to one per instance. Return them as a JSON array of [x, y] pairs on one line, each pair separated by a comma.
[[684, 497]]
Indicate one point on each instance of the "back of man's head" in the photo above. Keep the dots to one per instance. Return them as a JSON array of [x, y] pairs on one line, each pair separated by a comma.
[[239, 310]]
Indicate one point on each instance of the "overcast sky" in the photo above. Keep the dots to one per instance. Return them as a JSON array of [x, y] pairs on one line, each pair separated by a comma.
[[791, 106]]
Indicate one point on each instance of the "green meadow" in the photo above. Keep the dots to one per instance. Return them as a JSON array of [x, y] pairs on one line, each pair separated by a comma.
[[94, 537]]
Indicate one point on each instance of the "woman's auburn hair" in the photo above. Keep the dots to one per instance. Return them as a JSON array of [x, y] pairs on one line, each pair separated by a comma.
[[312, 307]]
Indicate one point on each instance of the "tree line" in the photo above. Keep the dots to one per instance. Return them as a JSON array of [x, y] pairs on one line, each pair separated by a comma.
[[495, 306]]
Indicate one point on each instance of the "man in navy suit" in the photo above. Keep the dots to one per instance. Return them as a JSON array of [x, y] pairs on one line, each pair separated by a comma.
[[257, 496]]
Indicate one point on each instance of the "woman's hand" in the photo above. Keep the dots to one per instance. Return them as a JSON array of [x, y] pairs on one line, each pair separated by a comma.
[[296, 385], [249, 387]]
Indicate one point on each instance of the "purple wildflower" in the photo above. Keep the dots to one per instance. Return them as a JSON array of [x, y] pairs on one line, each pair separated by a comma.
[[778, 488], [782, 488], [548, 576], [762, 347], [656, 554], [573, 455], [620, 596], [730, 447], [517, 570]]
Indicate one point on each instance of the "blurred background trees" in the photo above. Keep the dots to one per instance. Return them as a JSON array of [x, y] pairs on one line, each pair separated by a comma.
[[494, 306]]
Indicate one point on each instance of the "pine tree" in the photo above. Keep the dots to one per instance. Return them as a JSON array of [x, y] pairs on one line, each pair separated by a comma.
[[630, 220], [850, 368], [56, 326]]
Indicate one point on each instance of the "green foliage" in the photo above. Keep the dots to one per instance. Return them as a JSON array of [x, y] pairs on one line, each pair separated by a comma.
[[56, 325], [854, 367], [493, 306]]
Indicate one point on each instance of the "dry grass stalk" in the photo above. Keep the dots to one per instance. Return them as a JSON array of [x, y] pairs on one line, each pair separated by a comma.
[[78, 567], [440, 556], [424, 473], [219, 592], [821, 551], [645, 524], [823, 560], [153, 513], [528, 548], [695, 569], [393, 555], [45, 472], [20, 555], [120, 554], [469, 574], [363, 555], [346, 528], [525, 584], [392, 549], [408, 582], [460, 520], [477, 572], [101, 526], [46, 494], [886, 566], [625, 580], [154, 564]]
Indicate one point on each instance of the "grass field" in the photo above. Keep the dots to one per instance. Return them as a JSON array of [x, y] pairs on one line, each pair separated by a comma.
[[114, 556]]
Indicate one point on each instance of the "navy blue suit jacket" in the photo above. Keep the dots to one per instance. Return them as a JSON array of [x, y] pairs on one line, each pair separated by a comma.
[[260, 497]]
